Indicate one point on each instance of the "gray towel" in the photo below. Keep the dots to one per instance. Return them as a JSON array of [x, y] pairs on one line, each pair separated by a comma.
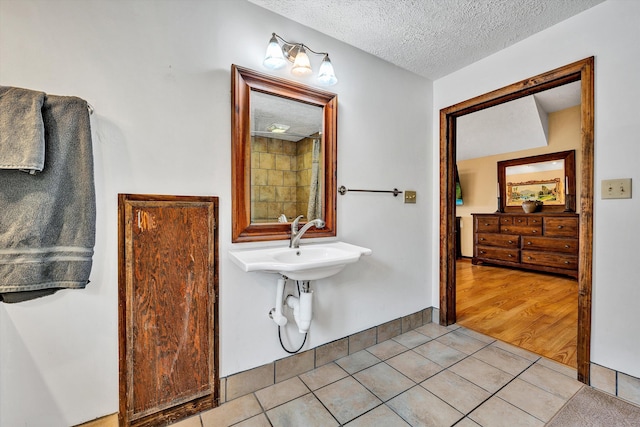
[[47, 221], [21, 129]]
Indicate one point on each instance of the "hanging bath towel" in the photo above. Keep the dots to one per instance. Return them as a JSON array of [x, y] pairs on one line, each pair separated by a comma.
[[21, 129], [47, 220]]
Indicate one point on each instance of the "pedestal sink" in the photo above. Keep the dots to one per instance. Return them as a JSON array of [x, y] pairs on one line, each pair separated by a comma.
[[308, 262]]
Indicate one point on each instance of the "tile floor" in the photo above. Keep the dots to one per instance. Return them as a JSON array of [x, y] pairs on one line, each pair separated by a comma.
[[430, 376]]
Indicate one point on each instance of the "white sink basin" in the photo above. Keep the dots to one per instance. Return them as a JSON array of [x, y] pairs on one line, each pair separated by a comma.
[[308, 262]]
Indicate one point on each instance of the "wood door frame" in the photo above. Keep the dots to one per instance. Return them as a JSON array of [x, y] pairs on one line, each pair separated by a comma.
[[582, 71]]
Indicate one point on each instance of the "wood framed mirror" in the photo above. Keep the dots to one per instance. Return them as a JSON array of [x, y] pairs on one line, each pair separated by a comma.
[[548, 178], [284, 149]]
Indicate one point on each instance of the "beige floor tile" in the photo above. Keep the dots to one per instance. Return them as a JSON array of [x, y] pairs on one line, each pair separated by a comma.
[[106, 421], [357, 361], [381, 416], [467, 422], [304, 411], [257, 421], [387, 349], [481, 374], [477, 335], [517, 350], [443, 355], [323, 375], [384, 381], [461, 342], [503, 360], [458, 392], [559, 367], [231, 412], [188, 422], [531, 399], [420, 408], [411, 339], [432, 330], [414, 366], [497, 413], [280, 393], [347, 399], [551, 381]]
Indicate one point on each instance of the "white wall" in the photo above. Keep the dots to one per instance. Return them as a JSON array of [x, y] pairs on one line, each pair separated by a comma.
[[610, 32], [158, 75]]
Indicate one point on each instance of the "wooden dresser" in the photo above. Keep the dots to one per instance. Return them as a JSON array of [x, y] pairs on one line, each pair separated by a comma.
[[538, 241]]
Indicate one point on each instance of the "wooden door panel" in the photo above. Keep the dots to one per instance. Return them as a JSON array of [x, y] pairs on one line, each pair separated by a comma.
[[168, 343]]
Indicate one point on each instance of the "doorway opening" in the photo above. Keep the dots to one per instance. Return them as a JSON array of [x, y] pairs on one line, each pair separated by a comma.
[[581, 71]]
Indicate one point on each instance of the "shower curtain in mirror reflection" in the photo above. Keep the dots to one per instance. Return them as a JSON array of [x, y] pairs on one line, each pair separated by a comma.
[[315, 201]]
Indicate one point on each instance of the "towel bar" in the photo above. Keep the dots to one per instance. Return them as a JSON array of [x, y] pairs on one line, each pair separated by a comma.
[[343, 190]]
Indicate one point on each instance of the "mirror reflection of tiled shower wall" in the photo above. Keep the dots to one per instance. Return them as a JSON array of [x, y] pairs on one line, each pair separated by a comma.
[[280, 178]]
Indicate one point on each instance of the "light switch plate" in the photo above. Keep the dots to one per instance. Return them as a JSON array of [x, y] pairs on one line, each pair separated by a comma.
[[409, 196], [616, 188]]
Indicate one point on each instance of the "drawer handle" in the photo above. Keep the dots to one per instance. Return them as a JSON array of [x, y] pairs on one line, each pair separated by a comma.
[[529, 242], [510, 256], [567, 246], [511, 241], [482, 238], [566, 262], [534, 221], [482, 252], [506, 229], [528, 257], [560, 226], [534, 231], [486, 224]]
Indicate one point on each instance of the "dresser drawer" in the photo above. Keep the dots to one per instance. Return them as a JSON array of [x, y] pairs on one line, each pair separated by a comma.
[[550, 244], [506, 220], [487, 224], [534, 220], [498, 254], [528, 230], [520, 220], [566, 261], [561, 227], [502, 240]]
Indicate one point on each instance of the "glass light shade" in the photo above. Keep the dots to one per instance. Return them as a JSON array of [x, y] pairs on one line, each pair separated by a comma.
[[326, 75], [274, 59], [301, 66]]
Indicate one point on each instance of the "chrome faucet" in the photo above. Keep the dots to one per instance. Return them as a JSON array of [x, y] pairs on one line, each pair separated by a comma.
[[296, 234]]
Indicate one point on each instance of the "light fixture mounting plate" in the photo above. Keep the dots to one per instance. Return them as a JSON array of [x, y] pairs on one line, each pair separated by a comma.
[[290, 51]]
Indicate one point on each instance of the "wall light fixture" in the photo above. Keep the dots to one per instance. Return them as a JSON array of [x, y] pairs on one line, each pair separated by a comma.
[[296, 53]]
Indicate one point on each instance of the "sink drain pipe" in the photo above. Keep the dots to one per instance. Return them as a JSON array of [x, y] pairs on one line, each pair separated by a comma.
[[302, 310]]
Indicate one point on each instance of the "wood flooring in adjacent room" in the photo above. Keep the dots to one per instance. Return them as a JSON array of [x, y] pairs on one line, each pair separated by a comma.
[[534, 311]]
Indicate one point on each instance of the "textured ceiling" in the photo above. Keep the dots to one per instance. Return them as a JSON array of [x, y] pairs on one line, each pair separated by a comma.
[[431, 38]]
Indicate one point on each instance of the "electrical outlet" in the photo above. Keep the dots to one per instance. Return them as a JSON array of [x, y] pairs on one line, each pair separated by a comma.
[[409, 196], [616, 188]]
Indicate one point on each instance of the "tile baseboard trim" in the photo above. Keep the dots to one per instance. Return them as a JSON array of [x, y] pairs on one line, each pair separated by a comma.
[[249, 381], [615, 383]]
